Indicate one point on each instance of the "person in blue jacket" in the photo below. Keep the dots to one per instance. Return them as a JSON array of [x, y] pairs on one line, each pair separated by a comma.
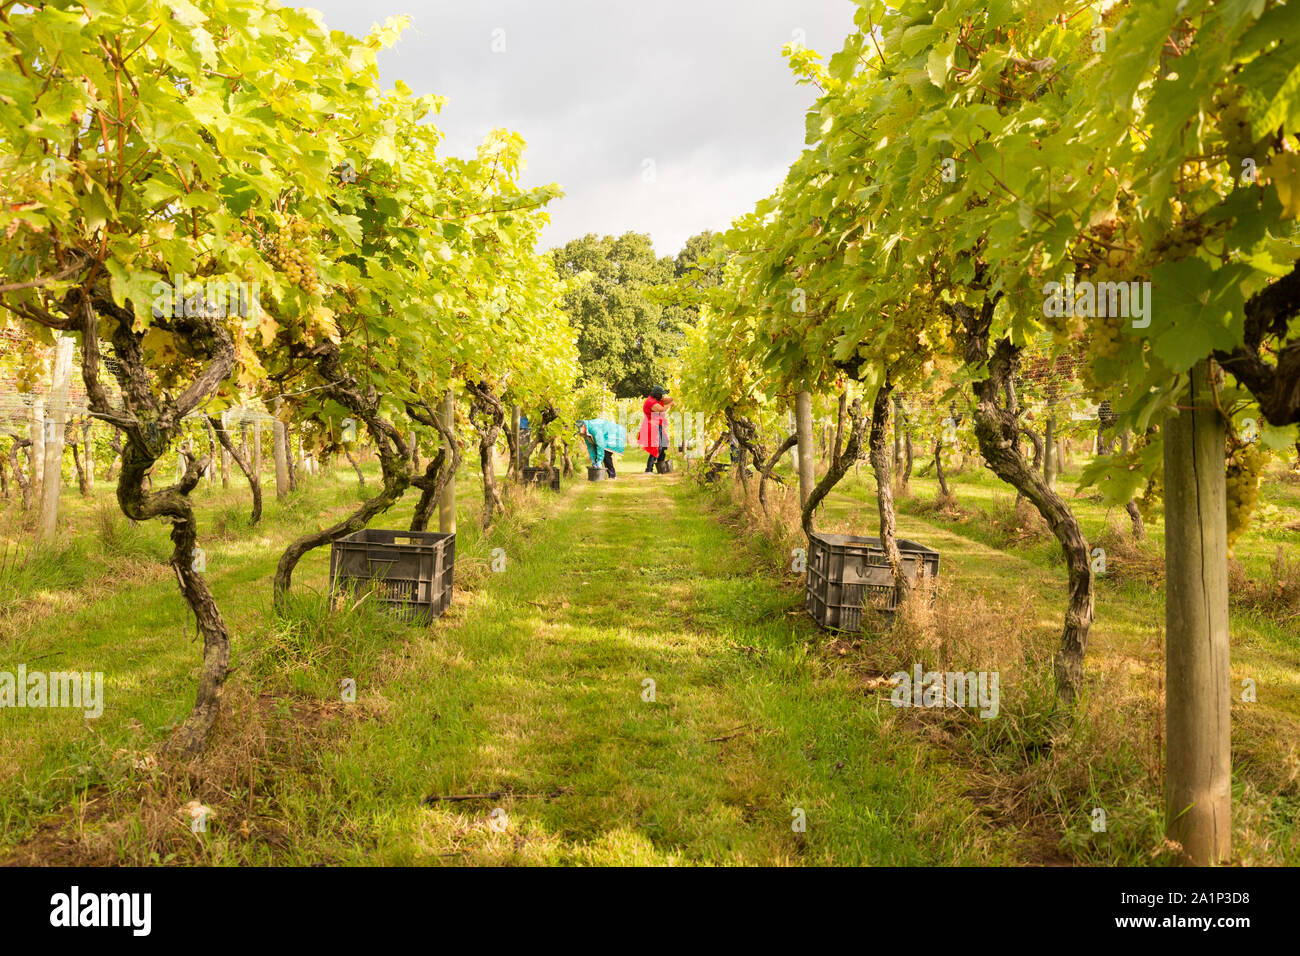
[[603, 439]]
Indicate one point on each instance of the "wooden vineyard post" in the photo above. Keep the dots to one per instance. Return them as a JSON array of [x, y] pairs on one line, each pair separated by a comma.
[[52, 465], [794, 449], [88, 442], [257, 448], [804, 430], [1049, 452], [281, 451], [36, 451], [225, 455], [1198, 692], [447, 504]]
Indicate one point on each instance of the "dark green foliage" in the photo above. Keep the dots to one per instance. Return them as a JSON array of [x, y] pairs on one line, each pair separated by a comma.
[[627, 339]]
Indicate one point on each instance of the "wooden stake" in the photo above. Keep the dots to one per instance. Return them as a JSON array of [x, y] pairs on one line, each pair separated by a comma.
[[53, 445], [280, 433], [1198, 685], [804, 429], [447, 506]]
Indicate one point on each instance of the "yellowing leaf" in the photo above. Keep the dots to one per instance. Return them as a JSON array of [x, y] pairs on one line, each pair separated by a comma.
[[1284, 170], [269, 328]]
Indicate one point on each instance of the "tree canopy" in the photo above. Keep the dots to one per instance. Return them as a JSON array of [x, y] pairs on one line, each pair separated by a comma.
[[628, 337]]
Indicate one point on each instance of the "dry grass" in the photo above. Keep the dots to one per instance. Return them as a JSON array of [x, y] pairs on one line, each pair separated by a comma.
[[1277, 596], [942, 506], [146, 817], [1044, 767], [778, 529], [958, 630], [1127, 559], [1015, 521], [1040, 766]]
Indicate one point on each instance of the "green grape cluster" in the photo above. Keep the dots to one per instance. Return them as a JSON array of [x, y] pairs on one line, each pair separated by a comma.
[[1107, 335], [291, 260], [1181, 241], [1104, 344], [1151, 497], [1062, 327], [31, 365], [1245, 463], [1234, 124]]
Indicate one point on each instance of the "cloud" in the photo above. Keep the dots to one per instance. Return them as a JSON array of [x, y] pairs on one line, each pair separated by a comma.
[[688, 194], [598, 87]]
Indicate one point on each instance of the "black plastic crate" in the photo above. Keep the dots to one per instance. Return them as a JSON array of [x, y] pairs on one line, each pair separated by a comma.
[[411, 571], [596, 473], [545, 475], [846, 573]]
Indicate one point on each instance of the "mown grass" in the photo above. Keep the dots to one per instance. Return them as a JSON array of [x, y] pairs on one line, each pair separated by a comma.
[[539, 696]]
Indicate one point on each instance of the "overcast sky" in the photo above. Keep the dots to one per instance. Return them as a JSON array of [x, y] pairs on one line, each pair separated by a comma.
[[693, 95]]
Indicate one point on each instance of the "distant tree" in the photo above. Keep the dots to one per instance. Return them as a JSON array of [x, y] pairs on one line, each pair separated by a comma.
[[626, 338], [698, 266], [698, 254]]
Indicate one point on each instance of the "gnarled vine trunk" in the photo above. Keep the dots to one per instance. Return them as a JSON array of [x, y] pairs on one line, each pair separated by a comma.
[[394, 463], [149, 424], [1037, 442], [713, 449], [254, 480], [938, 468], [441, 469], [539, 437], [766, 472], [878, 453], [997, 425], [489, 417], [361, 478], [83, 482], [838, 468], [24, 486], [908, 458], [747, 437], [512, 445], [839, 425]]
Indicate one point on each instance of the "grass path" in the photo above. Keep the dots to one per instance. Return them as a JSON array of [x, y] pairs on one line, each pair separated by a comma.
[[538, 688]]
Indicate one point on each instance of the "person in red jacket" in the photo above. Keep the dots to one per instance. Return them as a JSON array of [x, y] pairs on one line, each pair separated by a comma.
[[653, 434]]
